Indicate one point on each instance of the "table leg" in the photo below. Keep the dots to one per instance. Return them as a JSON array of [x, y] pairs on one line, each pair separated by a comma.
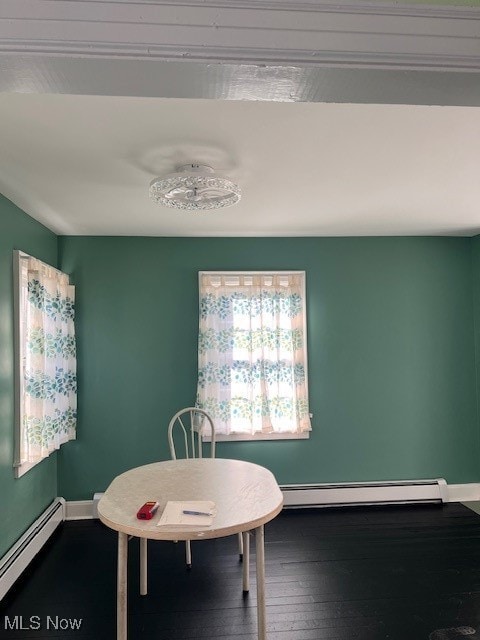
[[143, 566], [246, 560], [260, 553], [188, 554], [240, 546], [122, 586]]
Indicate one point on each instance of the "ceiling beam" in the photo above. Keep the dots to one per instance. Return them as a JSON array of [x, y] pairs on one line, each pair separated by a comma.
[[253, 49]]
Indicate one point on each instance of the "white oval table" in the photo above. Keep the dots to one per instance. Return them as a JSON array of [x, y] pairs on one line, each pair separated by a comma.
[[246, 497]]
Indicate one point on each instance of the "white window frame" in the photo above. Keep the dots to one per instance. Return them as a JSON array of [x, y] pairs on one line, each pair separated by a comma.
[[19, 341], [240, 437]]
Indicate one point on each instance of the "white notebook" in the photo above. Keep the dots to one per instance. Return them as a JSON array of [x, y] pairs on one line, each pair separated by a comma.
[[173, 515]]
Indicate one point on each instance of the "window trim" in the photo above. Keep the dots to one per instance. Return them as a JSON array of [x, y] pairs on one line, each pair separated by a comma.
[[259, 437], [19, 357]]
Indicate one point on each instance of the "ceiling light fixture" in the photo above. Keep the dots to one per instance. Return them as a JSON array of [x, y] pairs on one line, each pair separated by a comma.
[[194, 187]]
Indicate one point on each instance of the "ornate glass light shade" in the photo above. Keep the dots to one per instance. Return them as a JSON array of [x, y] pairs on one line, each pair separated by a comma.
[[193, 187]]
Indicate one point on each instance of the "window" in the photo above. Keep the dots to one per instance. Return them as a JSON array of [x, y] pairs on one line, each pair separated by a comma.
[[46, 380], [252, 354]]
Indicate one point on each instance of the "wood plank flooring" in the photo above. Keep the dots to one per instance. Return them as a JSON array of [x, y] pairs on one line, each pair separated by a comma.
[[390, 573]]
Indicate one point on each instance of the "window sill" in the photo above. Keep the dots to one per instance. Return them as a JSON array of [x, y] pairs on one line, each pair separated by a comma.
[[22, 469], [245, 437]]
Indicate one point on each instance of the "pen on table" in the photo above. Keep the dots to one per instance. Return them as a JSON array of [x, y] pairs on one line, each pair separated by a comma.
[[187, 512]]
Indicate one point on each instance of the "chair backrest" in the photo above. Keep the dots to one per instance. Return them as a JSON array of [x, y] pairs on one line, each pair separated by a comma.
[[190, 422]]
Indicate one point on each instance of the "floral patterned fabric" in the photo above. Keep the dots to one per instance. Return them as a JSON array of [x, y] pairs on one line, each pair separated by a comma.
[[49, 411], [251, 353]]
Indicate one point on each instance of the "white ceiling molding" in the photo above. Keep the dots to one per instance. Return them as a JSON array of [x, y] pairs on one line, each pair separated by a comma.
[[285, 33], [260, 50]]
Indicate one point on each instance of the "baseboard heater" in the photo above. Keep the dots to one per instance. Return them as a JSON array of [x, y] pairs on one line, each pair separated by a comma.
[[15, 561], [365, 493]]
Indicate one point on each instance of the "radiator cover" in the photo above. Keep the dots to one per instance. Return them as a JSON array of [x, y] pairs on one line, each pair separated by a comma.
[[15, 561], [365, 493]]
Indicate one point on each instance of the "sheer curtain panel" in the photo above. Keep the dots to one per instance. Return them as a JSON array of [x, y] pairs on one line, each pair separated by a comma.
[[47, 380], [252, 356]]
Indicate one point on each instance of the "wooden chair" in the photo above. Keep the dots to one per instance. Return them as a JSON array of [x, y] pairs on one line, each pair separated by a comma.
[[190, 423]]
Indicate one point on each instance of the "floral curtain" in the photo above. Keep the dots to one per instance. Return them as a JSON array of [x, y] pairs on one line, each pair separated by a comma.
[[49, 411], [252, 375]]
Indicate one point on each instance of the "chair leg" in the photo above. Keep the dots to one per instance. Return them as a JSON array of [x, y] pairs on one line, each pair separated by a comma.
[[240, 547], [246, 561], [188, 554]]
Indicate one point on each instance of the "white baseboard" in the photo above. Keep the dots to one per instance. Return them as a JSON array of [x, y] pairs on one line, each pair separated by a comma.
[[464, 492], [79, 510]]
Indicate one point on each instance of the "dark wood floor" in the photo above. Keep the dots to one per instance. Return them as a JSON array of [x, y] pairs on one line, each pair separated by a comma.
[[396, 573]]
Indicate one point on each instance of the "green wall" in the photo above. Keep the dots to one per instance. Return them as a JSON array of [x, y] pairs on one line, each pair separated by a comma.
[[475, 250], [22, 499], [391, 355]]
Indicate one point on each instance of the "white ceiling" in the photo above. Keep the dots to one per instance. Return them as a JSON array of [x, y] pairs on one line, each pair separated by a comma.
[[81, 165]]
